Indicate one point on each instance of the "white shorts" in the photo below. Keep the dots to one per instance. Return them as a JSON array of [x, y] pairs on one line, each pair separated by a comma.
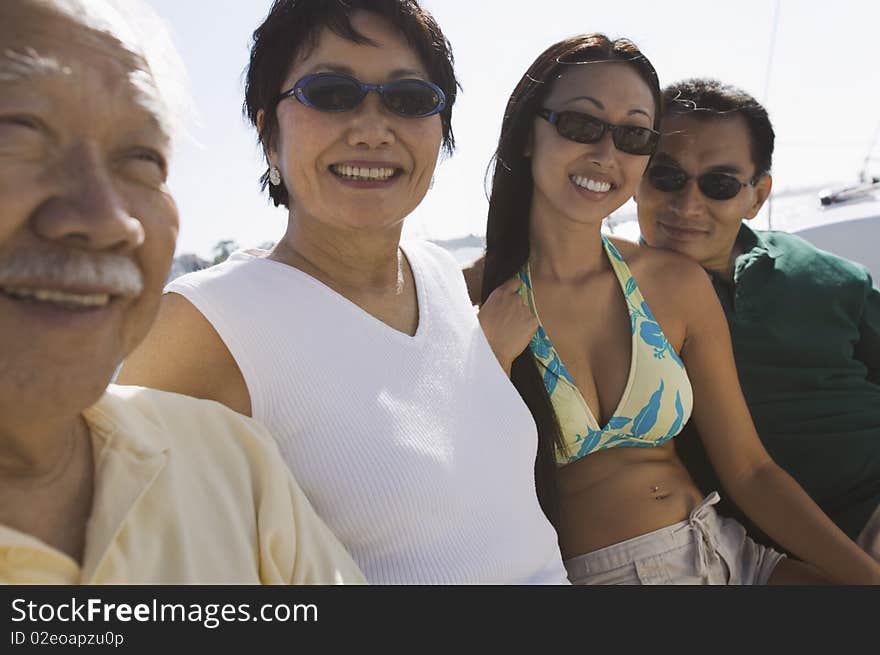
[[705, 549]]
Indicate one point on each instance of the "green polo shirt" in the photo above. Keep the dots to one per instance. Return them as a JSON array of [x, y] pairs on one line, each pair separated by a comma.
[[805, 326]]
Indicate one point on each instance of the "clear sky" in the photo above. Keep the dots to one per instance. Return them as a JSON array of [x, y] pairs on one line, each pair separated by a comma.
[[823, 93]]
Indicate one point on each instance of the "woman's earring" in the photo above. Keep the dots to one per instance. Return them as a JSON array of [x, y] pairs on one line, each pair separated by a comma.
[[274, 176]]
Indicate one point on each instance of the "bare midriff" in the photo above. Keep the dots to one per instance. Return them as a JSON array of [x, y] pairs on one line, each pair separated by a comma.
[[619, 493]]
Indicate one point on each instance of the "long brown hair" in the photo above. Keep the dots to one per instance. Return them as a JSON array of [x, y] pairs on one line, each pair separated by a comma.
[[507, 229]]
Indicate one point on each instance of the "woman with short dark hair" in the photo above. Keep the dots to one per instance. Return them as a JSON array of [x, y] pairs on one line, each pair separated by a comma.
[[362, 355]]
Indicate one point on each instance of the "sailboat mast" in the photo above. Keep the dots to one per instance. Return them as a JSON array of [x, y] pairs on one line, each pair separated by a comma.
[[767, 77]]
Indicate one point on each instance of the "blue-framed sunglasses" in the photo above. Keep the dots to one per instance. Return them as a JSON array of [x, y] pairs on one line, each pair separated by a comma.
[[410, 98]]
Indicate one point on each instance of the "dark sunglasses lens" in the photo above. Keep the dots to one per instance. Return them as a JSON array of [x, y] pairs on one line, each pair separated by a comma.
[[579, 127], [411, 98], [719, 186], [333, 93], [635, 140], [667, 178]]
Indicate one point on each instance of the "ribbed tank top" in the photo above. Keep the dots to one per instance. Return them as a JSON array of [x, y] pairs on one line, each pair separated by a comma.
[[417, 451]]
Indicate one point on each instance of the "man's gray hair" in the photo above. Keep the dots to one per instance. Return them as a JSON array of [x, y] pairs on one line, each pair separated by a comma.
[[140, 31]]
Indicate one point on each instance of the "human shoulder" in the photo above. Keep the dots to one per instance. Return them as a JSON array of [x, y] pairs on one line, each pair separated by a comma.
[[660, 267], [437, 263], [217, 468], [241, 263], [424, 250], [176, 419], [184, 353], [800, 257], [677, 289], [191, 430]]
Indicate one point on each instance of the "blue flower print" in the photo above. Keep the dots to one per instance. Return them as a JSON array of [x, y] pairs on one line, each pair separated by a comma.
[[551, 375], [679, 417], [553, 371], [543, 349], [647, 416], [674, 355], [611, 249], [540, 344], [616, 423], [587, 443], [653, 336], [563, 372]]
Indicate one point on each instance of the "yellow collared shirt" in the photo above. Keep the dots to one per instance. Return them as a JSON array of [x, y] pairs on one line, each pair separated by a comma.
[[186, 492]]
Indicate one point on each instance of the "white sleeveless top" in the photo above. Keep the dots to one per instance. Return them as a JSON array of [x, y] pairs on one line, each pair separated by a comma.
[[417, 451]]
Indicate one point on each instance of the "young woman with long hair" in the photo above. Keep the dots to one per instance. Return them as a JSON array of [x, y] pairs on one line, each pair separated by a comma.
[[614, 346]]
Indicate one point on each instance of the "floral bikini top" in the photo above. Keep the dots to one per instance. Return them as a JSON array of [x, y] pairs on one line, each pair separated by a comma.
[[657, 400]]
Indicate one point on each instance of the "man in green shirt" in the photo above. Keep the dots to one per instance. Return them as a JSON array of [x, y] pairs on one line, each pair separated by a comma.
[[805, 324]]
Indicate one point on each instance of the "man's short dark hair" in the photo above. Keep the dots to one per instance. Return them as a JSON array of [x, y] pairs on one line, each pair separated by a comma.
[[291, 30], [703, 98]]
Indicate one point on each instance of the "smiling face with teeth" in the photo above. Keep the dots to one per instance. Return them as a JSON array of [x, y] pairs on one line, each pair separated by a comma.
[[581, 183], [87, 227], [364, 169]]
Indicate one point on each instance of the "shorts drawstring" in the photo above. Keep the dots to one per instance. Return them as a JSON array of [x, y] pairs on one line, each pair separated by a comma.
[[704, 548], [707, 546]]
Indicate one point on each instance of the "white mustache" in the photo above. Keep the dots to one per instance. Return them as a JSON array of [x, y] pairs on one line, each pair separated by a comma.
[[54, 266]]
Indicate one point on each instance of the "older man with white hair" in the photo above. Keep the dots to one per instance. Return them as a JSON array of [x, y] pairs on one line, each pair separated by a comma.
[[119, 484]]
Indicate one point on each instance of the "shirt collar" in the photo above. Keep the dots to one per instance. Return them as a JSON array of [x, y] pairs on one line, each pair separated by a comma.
[[131, 451], [754, 248]]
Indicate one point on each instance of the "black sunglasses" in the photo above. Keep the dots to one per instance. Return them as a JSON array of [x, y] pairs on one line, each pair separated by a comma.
[[713, 185], [583, 128], [411, 98]]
